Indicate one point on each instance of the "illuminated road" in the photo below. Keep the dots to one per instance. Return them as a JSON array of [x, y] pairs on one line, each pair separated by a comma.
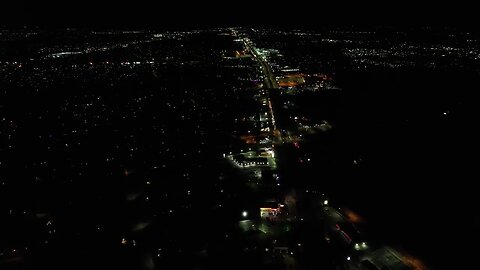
[[270, 82]]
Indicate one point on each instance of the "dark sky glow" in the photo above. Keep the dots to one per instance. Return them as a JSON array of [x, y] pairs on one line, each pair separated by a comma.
[[206, 13]]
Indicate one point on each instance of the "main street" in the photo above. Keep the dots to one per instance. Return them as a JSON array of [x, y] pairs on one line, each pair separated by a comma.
[[269, 83]]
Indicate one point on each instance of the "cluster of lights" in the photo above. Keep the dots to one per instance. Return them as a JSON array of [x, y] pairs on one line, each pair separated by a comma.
[[360, 246]]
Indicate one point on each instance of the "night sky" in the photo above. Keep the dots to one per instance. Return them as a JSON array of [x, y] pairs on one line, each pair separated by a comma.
[[180, 14]]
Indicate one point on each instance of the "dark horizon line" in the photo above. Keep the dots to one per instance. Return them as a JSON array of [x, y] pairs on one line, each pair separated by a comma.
[[324, 27]]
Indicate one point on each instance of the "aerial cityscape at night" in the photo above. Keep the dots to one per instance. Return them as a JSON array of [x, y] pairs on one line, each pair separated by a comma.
[[342, 148]]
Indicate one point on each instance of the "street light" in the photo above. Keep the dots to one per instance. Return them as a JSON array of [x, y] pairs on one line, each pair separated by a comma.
[[348, 258], [325, 202], [244, 214]]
